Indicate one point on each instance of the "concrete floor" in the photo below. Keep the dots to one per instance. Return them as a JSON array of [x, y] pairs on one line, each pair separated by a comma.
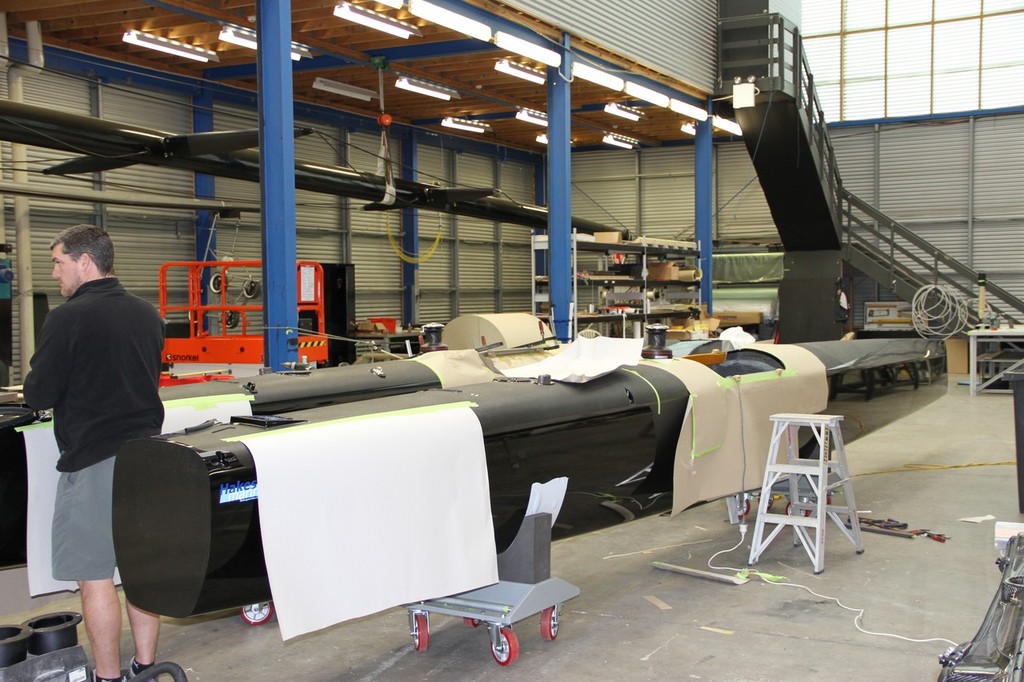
[[634, 622]]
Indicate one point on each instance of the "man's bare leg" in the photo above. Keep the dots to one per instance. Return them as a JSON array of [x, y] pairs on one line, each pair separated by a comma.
[[145, 631], [101, 610]]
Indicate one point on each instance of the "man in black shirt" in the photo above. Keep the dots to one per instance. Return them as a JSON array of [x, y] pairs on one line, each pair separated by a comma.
[[97, 364]]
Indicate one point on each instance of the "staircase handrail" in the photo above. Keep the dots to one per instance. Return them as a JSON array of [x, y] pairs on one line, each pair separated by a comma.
[[808, 102], [938, 256]]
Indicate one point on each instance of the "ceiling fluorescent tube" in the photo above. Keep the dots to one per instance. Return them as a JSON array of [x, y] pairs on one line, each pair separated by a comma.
[[617, 141], [687, 109], [520, 71], [727, 125], [393, 4], [426, 88], [449, 19], [542, 138], [597, 76], [245, 38], [375, 20], [345, 89], [688, 128], [646, 94], [621, 110], [465, 124], [532, 116], [169, 46], [525, 48]]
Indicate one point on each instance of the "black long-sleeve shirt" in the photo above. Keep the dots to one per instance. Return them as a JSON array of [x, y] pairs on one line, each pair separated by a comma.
[[97, 364]]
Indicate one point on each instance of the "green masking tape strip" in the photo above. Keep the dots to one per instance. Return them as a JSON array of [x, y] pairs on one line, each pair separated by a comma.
[[693, 433], [429, 409], [207, 401], [35, 425], [200, 403], [656, 394], [770, 375]]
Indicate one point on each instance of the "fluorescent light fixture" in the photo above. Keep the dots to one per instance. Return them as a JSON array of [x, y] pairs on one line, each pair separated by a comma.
[[449, 19], [597, 76], [619, 140], [532, 116], [646, 94], [243, 37], [375, 20], [169, 46], [465, 124], [542, 138], [426, 88], [687, 109], [393, 4], [727, 125], [688, 128], [345, 89], [507, 41], [520, 71], [622, 110]]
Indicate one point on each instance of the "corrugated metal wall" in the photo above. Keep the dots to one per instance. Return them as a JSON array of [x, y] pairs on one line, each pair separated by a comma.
[[958, 183], [676, 37], [650, 192]]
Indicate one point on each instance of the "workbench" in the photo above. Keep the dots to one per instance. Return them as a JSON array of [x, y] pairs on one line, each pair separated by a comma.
[[993, 353]]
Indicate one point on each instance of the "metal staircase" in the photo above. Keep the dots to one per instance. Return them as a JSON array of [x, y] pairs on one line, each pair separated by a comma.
[[787, 137]]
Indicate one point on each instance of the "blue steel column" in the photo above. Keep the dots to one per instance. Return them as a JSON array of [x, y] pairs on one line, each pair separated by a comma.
[[205, 188], [559, 194], [277, 182], [704, 203], [410, 231]]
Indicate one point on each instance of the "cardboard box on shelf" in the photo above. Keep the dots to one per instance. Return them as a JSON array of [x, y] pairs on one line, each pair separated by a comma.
[[608, 237], [739, 319], [369, 327], [663, 271]]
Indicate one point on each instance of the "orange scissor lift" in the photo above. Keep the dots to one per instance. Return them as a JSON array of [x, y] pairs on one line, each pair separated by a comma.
[[221, 330]]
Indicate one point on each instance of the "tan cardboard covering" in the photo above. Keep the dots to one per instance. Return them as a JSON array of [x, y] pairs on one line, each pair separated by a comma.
[[456, 367], [512, 329], [703, 473]]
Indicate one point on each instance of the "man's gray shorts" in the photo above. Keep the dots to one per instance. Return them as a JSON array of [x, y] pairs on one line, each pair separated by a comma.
[[83, 537]]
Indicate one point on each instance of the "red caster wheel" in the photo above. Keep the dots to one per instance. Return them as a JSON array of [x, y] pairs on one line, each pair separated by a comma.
[[420, 632], [549, 623], [257, 614], [507, 650]]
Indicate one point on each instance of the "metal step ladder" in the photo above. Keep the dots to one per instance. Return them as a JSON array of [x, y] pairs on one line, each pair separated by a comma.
[[811, 485]]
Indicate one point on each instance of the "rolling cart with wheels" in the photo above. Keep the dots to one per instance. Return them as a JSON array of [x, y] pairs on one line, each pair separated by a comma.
[[525, 588]]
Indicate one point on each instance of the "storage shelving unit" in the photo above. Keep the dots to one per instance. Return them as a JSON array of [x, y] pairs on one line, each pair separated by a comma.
[[601, 297], [993, 353]]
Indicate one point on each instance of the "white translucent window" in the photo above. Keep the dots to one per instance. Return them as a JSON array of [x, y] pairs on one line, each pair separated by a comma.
[[915, 57], [1000, 87], [823, 58], [910, 12], [821, 16], [864, 99], [956, 9], [861, 14], [864, 55]]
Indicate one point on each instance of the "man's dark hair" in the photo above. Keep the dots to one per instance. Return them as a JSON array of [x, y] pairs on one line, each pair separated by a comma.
[[91, 240]]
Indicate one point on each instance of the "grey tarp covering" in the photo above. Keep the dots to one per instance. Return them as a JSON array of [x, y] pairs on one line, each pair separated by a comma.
[[845, 356]]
